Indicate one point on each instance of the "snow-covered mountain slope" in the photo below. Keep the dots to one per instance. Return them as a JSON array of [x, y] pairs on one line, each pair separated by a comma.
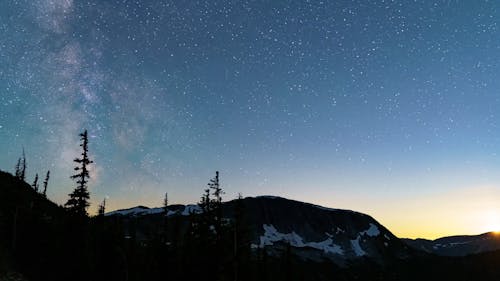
[[142, 211], [314, 232], [319, 233], [458, 245]]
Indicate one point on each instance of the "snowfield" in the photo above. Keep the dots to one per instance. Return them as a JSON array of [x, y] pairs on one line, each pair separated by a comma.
[[271, 235]]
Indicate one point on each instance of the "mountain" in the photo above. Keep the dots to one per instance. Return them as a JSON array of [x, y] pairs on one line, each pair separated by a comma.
[[183, 210], [314, 232], [31, 227], [461, 245], [282, 240]]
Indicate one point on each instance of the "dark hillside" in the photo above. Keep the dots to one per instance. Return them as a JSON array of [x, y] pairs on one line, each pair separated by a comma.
[[34, 232], [266, 238]]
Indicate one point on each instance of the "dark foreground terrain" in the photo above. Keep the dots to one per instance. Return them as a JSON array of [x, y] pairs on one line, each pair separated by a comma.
[[263, 238]]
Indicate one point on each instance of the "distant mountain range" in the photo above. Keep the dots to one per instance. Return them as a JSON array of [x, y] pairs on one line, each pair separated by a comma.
[[318, 232], [284, 236], [313, 231], [458, 245]]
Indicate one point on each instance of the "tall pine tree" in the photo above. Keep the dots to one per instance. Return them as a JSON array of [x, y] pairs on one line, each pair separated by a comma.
[[18, 168], [35, 183], [165, 204], [78, 201], [216, 204], [45, 183], [102, 208], [218, 229], [21, 167], [165, 219]]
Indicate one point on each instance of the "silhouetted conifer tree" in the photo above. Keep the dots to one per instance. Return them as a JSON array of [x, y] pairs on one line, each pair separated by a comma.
[[165, 219], [35, 183], [217, 190], [217, 228], [21, 167], [216, 204], [102, 208], [18, 168], [78, 201], [45, 183], [165, 203], [205, 202]]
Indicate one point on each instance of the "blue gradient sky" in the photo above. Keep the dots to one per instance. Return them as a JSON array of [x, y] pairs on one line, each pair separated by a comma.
[[385, 107]]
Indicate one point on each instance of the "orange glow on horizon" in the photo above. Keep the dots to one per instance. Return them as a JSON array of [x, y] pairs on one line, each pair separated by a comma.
[[462, 211]]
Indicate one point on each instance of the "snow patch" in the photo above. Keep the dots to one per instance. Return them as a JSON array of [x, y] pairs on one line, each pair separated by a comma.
[[142, 211], [271, 235], [130, 212], [371, 231], [156, 211], [188, 209], [449, 245], [357, 248]]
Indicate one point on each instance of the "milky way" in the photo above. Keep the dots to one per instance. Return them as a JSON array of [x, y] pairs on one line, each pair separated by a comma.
[[341, 98]]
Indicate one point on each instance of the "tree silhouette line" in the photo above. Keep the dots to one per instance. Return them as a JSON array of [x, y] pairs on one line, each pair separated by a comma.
[[20, 173], [40, 240], [204, 245]]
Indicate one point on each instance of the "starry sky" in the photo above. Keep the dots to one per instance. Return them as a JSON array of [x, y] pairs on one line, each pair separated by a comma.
[[386, 107]]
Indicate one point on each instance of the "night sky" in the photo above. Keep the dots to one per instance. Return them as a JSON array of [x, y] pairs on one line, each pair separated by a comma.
[[386, 107]]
